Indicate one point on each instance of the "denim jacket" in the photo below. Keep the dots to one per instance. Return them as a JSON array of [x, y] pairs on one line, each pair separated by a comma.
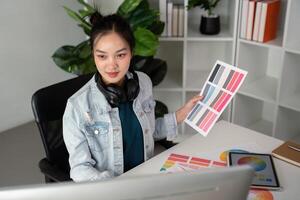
[[93, 135]]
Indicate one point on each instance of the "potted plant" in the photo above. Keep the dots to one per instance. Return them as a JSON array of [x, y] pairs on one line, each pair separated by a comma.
[[210, 22], [146, 27]]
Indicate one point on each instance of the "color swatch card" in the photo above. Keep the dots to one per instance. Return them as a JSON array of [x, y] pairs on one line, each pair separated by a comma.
[[221, 85], [178, 162]]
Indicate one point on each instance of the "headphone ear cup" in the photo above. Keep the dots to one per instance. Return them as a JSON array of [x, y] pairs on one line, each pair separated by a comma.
[[116, 94], [132, 88], [112, 93]]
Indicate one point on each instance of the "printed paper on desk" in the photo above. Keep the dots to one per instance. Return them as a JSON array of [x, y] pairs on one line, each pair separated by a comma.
[[221, 85], [179, 162]]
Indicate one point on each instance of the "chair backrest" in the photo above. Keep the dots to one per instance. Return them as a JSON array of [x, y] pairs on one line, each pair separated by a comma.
[[48, 105]]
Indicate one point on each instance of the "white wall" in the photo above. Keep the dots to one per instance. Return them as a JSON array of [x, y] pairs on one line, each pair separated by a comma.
[[106, 7], [30, 31]]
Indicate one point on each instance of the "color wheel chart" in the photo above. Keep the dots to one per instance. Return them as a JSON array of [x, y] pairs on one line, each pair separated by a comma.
[[221, 85]]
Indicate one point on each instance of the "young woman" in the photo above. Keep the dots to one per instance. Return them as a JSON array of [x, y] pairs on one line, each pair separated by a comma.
[[109, 125]]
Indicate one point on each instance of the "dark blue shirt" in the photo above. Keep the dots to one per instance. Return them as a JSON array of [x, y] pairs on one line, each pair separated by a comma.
[[132, 133]]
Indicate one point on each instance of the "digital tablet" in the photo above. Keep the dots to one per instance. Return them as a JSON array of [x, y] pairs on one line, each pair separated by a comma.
[[265, 175]]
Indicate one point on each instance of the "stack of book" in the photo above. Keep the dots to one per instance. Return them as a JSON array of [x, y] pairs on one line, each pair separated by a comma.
[[173, 16], [289, 151], [259, 20]]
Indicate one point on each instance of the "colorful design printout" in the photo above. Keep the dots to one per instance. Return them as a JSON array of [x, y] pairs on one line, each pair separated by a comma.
[[220, 87], [224, 154], [177, 162], [257, 194]]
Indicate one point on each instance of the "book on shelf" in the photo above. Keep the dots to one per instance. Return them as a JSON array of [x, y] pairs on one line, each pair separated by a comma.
[[173, 14], [181, 20], [269, 20], [259, 19], [245, 4], [169, 18], [289, 151], [163, 15], [175, 20], [250, 19]]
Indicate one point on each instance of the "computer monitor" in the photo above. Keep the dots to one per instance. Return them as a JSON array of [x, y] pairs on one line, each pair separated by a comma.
[[230, 183]]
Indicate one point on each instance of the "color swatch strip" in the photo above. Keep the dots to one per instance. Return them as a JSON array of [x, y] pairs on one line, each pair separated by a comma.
[[220, 87], [189, 162]]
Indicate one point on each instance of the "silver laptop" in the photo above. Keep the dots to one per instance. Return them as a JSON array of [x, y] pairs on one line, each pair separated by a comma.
[[230, 183]]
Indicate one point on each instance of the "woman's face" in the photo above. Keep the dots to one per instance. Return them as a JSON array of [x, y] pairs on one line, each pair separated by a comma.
[[112, 56]]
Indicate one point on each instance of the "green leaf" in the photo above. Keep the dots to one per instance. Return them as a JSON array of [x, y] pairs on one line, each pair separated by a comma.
[[143, 18], [83, 50], [76, 60], [208, 5], [87, 30], [127, 6], [78, 18], [146, 42], [64, 57], [85, 13]]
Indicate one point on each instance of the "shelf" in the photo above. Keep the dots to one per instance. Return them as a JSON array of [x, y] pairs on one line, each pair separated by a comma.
[[262, 126], [292, 40], [165, 96], [195, 35], [291, 102], [276, 43], [170, 39], [290, 83], [287, 124], [202, 55], [172, 53], [171, 81], [264, 89], [196, 79], [254, 114], [293, 47], [226, 10]]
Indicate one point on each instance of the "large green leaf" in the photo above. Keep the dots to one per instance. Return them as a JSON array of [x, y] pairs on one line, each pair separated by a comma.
[[77, 60], [82, 23], [127, 6], [64, 57], [142, 18], [83, 50], [146, 42]]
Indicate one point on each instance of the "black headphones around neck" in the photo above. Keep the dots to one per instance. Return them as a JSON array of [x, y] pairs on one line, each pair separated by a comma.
[[115, 94]]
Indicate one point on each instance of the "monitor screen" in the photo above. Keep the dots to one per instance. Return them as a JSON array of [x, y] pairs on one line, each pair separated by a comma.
[[230, 183]]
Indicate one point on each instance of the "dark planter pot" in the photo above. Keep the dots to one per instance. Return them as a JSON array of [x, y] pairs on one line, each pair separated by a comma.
[[155, 68], [210, 25]]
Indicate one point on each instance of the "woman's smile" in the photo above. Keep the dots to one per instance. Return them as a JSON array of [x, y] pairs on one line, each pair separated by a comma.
[[112, 74]]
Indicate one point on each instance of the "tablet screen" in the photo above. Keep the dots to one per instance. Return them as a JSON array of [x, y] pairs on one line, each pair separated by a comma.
[[265, 174]]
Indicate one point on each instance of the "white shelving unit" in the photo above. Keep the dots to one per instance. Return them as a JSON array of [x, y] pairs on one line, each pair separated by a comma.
[[191, 57], [269, 99]]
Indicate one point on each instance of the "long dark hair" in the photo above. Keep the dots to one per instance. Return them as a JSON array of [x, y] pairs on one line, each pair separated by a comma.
[[102, 25]]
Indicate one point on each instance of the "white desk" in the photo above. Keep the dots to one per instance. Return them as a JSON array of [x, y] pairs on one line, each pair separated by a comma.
[[230, 135]]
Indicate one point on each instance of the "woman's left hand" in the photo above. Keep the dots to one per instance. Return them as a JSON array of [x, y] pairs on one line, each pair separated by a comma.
[[182, 112]]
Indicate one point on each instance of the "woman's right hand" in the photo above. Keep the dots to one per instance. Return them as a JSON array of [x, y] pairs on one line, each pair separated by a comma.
[[182, 112]]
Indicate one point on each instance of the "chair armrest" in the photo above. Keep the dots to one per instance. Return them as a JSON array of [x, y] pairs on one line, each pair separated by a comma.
[[52, 172], [165, 143]]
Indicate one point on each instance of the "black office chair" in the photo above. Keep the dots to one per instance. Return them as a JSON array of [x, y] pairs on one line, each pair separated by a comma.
[[48, 105]]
